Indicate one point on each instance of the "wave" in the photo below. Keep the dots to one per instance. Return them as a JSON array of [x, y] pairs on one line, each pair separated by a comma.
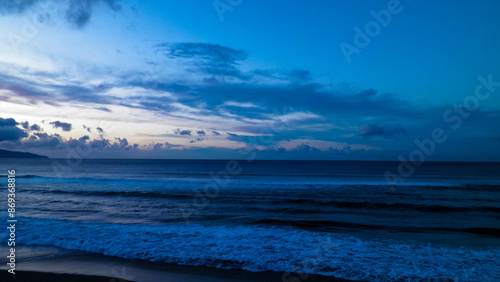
[[306, 204], [266, 248], [336, 225], [140, 194], [22, 176], [270, 182], [392, 206]]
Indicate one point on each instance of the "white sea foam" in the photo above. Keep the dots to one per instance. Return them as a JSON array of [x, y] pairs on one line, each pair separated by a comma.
[[267, 248], [245, 183]]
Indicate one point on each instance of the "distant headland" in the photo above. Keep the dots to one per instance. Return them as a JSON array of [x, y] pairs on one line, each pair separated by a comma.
[[12, 154]]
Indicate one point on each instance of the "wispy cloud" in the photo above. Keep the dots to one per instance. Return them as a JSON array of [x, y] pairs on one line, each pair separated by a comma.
[[371, 130], [77, 13], [211, 59]]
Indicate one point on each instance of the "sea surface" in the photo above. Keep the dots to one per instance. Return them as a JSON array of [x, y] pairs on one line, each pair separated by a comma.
[[332, 218]]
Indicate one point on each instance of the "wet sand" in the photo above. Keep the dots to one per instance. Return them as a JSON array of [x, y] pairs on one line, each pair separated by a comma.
[[58, 265]]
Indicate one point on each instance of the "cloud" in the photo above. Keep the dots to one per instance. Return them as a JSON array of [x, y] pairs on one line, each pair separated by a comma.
[[199, 139], [300, 74], [34, 127], [100, 130], [16, 6], [211, 52], [212, 59], [240, 104], [54, 143], [77, 12], [7, 122], [201, 134], [122, 144], [183, 132], [103, 109], [286, 105], [9, 131], [40, 140], [87, 128], [160, 146], [378, 130], [63, 125]]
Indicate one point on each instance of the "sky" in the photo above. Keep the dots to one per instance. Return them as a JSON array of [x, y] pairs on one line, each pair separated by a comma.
[[235, 79]]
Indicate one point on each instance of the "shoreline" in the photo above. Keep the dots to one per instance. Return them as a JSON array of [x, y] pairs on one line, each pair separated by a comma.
[[41, 263], [41, 276], [54, 277]]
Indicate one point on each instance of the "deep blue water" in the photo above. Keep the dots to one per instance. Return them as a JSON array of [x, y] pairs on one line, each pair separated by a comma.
[[330, 218]]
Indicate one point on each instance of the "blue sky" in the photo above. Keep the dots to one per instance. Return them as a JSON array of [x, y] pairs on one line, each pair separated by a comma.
[[207, 79]]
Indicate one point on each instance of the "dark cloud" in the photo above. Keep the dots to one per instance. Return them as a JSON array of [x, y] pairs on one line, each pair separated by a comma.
[[25, 125], [55, 142], [63, 125], [78, 142], [35, 127], [212, 52], [121, 144], [378, 130], [87, 128], [161, 146], [211, 80], [35, 91], [201, 134], [183, 132], [77, 12], [199, 139], [305, 148], [16, 6], [41, 140], [211, 59], [157, 146], [300, 74], [216, 133], [311, 98], [251, 140], [9, 131], [7, 122], [104, 109]]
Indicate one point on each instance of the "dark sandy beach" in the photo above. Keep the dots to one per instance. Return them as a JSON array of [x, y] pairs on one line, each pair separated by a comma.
[[56, 265], [58, 277], [52, 277]]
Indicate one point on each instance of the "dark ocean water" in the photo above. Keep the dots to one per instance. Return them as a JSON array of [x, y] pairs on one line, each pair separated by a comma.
[[331, 218]]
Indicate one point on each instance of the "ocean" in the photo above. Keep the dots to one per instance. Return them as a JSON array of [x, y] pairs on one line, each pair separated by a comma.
[[331, 218]]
